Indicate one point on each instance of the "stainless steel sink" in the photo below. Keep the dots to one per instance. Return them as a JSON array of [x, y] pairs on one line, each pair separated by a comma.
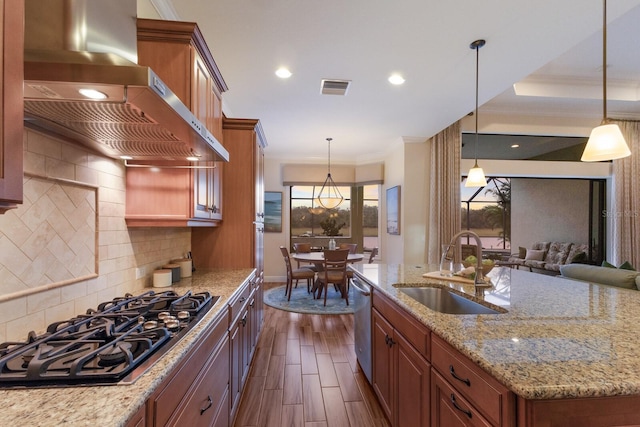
[[444, 301]]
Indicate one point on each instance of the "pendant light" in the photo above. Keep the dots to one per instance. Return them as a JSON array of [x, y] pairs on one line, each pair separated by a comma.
[[475, 177], [606, 141], [329, 196]]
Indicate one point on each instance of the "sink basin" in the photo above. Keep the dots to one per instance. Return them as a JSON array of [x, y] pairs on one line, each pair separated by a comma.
[[444, 301]]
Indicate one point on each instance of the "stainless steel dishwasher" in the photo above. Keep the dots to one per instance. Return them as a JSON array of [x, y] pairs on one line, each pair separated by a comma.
[[362, 324]]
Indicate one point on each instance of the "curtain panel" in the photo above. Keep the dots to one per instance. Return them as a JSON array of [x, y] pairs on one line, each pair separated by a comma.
[[626, 206], [444, 218]]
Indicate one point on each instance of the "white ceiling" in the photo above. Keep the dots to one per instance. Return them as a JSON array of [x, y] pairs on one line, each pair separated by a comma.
[[553, 45]]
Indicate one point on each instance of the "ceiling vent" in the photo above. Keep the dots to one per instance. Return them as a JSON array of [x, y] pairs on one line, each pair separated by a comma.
[[334, 87]]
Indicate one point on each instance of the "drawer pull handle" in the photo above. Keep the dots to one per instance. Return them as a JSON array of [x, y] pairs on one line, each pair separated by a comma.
[[210, 402], [242, 299], [389, 341], [455, 405], [244, 321], [453, 374]]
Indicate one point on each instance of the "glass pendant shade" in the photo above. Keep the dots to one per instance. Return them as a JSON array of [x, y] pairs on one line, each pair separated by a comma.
[[329, 196], [605, 143], [475, 177]]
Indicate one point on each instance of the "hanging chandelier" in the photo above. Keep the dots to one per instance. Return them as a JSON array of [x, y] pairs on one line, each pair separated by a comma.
[[475, 177], [329, 196], [606, 141]]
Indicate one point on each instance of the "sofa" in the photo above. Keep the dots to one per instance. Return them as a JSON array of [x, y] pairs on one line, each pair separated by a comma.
[[548, 257], [618, 277]]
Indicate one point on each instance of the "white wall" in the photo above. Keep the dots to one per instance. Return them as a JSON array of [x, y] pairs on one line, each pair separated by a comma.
[[392, 246], [549, 210]]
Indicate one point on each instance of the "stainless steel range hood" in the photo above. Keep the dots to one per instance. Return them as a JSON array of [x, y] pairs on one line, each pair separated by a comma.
[[92, 44]]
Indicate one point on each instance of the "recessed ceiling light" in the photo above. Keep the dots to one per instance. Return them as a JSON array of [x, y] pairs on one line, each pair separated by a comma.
[[283, 73], [93, 94], [396, 79], [515, 145]]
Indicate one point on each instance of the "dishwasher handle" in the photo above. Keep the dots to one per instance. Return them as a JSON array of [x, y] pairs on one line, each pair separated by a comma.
[[356, 284]]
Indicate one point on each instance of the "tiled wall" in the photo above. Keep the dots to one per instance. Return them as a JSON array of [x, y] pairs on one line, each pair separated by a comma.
[[120, 250]]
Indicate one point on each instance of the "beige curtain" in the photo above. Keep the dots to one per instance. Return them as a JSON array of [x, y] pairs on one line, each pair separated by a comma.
[[626, 204], [444, 192]]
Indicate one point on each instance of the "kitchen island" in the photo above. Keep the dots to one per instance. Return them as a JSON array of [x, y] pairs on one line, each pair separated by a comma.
[[556, 339], [114, 405]]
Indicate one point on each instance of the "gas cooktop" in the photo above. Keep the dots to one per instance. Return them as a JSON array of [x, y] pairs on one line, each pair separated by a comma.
[[113, 344]]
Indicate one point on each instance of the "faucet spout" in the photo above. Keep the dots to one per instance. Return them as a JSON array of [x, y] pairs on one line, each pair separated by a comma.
[[479, 281]]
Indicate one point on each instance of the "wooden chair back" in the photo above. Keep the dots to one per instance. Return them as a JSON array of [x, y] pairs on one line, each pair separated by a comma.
[[353, 247], [374, 252]]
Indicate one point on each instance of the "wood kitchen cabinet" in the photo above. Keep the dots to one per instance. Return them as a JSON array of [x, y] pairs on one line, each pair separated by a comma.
[[178, 53], [401, 371], [197, 392], [169, 197], [11, 104], [239, 242], [240, 336], [464, 394]]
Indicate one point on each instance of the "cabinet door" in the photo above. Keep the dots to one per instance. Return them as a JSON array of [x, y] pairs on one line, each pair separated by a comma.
[[413, 374], [202, 189], [11, 103], [216, 192], [201, 105], [383, 362]]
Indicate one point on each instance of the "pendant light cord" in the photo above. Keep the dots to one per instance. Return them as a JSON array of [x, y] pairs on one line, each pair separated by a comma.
[[477, 45], [329, 156], [477, 80]]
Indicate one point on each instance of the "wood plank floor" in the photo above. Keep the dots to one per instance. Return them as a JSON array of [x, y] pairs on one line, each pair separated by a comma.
[[305, 373]]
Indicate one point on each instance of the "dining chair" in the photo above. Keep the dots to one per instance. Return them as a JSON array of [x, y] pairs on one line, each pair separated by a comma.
[[335, 272], [353, 247], [296, 274], [304, 248], [374, 253]]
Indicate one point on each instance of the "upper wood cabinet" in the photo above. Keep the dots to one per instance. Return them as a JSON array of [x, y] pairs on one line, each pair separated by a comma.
[[11, 104], [170, 197], [178, 53]]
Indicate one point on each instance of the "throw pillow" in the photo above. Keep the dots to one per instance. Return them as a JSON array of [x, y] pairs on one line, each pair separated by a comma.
[[608, 264], [627, 266], [522, 252], [534, 255], [579, 258]]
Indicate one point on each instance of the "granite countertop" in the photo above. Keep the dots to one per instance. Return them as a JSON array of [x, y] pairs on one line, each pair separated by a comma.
[[113, 405], [559, 338]]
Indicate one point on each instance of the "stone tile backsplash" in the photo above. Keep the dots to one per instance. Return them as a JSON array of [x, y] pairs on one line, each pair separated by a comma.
[[46, 248]]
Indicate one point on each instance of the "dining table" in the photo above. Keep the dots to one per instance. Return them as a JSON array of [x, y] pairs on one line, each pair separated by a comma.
[[317, 258]]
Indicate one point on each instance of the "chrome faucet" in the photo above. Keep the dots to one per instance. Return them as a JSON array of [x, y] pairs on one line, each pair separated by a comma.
[[479, 281]]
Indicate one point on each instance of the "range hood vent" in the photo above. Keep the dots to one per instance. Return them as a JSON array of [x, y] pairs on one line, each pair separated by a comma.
[[334, 87], [140, 117]]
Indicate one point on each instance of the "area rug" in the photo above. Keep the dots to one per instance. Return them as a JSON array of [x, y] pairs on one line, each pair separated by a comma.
[[303, 302]]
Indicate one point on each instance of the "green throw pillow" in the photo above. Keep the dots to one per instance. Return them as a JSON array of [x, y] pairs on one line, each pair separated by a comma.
[[627, 266], [608, 264], [579, 258]]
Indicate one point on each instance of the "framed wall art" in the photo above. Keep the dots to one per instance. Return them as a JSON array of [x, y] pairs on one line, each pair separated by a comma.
[[393, 210], [273, 211]]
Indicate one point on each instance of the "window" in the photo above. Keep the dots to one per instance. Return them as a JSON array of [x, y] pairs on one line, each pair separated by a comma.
[[487, 211], [354, 221], [304, 223]]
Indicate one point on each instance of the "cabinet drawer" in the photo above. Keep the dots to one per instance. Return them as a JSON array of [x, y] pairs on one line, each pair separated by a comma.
[[237, 303], [412, 330], [210, 396], [490, 397], [449, 408], [167, 400]]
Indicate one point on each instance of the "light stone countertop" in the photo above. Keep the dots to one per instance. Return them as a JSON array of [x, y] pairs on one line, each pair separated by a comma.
[[559, 338], [113, 405]]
